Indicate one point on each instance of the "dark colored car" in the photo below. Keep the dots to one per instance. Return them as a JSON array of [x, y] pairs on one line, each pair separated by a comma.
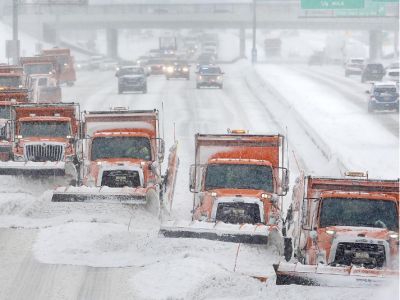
[[373, 71], [177, 69], [210, 76], [316, 59], [383, 96], [132, 78]]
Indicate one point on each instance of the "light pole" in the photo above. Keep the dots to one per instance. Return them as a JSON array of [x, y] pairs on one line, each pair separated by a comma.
[[254, 49]]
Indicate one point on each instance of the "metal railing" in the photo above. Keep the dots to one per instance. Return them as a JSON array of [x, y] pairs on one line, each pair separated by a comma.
[[267, 7]]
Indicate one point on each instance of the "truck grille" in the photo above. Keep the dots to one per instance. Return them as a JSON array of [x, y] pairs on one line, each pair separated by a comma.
[[42, 153], [120, 178], [367, 255]]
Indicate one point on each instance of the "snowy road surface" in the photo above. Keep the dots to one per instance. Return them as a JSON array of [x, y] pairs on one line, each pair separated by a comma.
[[83, 251]]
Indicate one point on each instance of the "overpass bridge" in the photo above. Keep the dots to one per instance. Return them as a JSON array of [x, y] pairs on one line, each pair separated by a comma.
[[270, 15]]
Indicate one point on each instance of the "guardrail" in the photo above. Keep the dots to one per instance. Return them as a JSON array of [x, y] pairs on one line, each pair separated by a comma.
[[267, 7]]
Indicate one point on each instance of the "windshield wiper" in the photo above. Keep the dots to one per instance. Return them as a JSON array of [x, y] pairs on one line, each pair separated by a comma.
[[211, 187]]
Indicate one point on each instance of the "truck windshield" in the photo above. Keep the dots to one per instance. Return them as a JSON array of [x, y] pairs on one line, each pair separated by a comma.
[[10, 81], [358, 212], [38, 69], [59, 129], [239, 176], [238, 213], [5, 112], [121, 147]]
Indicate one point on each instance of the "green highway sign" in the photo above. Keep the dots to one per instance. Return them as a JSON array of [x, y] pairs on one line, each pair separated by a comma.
[[371, 9], [332, 4]]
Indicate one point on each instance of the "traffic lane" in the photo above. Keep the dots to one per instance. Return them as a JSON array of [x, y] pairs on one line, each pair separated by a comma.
[[390, 124]]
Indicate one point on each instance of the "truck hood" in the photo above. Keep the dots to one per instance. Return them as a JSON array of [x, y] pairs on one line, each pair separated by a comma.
[[359, 232], [112, 162], [235, 192], [44, 140]]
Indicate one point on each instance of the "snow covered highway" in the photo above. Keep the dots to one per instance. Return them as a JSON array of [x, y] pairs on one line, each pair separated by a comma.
[[85, 251]]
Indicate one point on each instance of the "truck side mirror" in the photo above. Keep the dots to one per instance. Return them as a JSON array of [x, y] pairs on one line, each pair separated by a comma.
[[161, 153], [367, 92], [116, 74], [192, 177]]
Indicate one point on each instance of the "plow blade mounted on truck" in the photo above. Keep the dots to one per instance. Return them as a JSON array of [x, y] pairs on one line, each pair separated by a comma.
[[220, 231], [103, 194], [323, 275], [47, 168]]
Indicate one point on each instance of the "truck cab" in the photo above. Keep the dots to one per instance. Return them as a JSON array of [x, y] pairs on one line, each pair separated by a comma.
[[44, 140], [65, 63], [240, 182]]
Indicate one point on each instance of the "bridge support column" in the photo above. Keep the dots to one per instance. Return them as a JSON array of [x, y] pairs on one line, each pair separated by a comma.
[[242, 44], [396, 45], [112, 43], [375, 44]]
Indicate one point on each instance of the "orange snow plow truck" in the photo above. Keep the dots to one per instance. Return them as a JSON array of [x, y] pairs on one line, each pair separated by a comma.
[[11, 84], [345, 232], [44, 138], [122, 156], [238, 181], [41, 65], [65, 64]]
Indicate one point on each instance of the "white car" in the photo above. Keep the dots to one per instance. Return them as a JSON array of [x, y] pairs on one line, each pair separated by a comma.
[[108, 64], [391, 75], [210, 76], [354, 66]]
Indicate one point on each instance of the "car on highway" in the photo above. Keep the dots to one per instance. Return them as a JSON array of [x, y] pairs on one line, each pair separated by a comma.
[[316, 59], [94, 63], [132, 78], [205, 60], [210, 76], [391, 75], [177, 69], [155, 67], [122, 63], [81, 65], [372, 71], [142, 60], [354, 66], [108, 64], [383, 96]]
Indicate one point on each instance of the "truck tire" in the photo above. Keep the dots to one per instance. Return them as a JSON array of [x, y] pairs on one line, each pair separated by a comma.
[[288, 250], [197, 86], [145, 89], [167, 77], [70, 83], [346, 74], [188, 78], [221, 86], [362, 79], [120, 90]]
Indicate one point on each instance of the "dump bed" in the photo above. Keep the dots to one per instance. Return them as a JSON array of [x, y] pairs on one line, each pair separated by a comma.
[[145, 121], [388, 187], [66, 110], [14, 95], [11, 69], [55, 52], [239, 146]]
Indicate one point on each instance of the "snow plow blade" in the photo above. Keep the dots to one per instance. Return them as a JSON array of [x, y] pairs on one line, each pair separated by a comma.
[[323, 275], [99, 195], [47, 168], [245, 233]]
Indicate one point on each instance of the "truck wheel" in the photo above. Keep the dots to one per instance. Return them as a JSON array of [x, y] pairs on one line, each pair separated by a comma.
[[188, 78], [166, 77], [346, 74], [197, 86], [145, 90], [120, 90], [362, 79], [221, 86], [288, 251], [70, 83], [397, 109]]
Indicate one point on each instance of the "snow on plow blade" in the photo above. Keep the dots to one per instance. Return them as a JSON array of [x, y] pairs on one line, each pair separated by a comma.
[[245, 233], [32, 168], [322, 275], [103, 194]]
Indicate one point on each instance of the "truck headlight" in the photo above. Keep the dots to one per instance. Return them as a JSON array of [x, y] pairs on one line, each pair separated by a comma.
[[330, 232], [393, 235], [185, 69], [170, 69]]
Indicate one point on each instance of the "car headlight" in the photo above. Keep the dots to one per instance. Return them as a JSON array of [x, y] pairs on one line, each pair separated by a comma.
[[200, 77], [149, 68], [185, 69], [219, 77], [170, 69]]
